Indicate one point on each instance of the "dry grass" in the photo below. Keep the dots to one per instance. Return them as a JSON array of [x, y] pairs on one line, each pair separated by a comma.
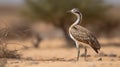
[[5, 53]]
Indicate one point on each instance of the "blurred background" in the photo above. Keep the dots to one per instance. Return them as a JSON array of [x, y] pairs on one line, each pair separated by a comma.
[[45, 23]]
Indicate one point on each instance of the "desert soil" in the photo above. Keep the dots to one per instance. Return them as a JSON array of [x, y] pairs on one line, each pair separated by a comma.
[[53, 54]]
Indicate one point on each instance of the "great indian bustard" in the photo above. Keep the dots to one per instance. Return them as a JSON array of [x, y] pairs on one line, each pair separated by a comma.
[[80, 34]]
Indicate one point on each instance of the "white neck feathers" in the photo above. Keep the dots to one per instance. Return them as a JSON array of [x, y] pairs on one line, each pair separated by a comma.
[[79, 19]]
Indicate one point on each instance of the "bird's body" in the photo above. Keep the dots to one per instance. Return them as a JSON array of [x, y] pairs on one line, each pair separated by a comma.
[[81, 35]]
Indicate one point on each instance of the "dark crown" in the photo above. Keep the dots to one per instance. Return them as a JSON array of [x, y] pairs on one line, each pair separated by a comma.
[[76, 10]]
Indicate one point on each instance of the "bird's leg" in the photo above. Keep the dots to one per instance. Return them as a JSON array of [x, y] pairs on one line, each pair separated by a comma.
[[78, 54], [78, 51], [85, 53]]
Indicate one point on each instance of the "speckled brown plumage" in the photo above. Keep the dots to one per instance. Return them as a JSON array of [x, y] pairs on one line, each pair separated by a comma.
[[81, 34]]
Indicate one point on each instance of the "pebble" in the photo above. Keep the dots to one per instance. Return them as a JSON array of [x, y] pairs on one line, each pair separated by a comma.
[[100, 59], [83, 55], [112, 55]]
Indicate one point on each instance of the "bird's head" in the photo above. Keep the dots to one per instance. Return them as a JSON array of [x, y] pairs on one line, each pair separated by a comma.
[[75, 11], [78, 14]]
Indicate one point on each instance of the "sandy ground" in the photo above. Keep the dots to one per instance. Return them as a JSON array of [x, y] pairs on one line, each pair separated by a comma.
[[58, 56]]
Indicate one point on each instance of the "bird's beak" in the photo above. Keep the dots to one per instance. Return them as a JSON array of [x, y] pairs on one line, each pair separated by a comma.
[[68, 11]]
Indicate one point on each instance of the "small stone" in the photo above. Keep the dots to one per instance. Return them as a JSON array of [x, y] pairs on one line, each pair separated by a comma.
[[112, 55], [105, 55], [28, 58], [100, 59]]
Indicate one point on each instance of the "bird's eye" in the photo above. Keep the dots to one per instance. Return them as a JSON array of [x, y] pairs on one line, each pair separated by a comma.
[[74, 10]]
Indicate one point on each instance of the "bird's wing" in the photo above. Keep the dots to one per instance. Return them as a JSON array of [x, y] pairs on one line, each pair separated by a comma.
[[83, 35]]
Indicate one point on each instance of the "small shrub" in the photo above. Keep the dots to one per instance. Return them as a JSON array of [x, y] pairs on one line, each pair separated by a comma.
[[5, 53]]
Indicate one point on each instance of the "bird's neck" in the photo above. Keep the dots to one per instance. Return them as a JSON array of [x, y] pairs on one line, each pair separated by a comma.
[[78, 20]]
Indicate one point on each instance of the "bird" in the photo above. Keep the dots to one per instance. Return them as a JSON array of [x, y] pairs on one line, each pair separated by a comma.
[[82, 36]]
